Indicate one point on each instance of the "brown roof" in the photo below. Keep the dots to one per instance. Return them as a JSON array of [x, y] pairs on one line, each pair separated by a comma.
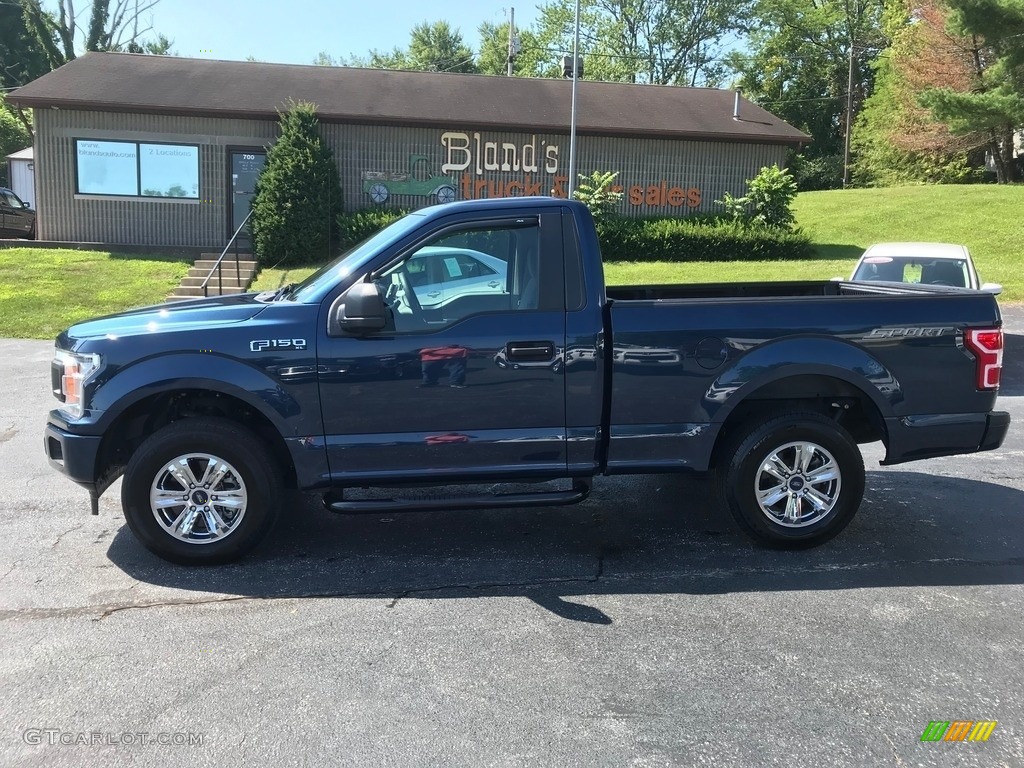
[[125, 82]]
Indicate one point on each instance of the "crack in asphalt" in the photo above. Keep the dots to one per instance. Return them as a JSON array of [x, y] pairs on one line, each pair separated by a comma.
[[895, 753], [110, 609], [69, 530]]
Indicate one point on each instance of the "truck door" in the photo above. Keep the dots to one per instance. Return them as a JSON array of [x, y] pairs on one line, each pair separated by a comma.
[[470, 385]]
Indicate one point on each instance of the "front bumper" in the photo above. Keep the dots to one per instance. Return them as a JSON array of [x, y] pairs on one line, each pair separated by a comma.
[[925, 437], [74, 455]]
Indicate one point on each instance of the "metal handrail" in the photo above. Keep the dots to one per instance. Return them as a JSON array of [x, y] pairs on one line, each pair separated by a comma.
[[217, 267]]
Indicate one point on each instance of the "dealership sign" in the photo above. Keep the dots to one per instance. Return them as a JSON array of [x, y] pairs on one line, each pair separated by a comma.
[[475, 158]]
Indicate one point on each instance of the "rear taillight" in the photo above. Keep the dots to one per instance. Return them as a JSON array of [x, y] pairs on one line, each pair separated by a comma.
[[987, 346]]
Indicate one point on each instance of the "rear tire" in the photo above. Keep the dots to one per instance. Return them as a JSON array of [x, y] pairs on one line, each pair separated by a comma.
[[791, 480], [201, 491]]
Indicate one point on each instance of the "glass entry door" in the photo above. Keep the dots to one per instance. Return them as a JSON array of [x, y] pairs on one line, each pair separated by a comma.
[[246, 165]]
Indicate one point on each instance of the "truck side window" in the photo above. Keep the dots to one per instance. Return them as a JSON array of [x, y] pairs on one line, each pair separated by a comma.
[[464, 272]]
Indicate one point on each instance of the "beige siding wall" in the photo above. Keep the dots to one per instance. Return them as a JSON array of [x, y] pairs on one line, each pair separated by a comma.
[[658, 176], [160, 221], [649, 169]]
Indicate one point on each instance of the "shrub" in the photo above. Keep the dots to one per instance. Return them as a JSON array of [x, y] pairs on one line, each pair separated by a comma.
[[656, 239], [670, 239], [595, 192], [298, 195], [771, 197], [768, 202], [816, 173], [355, 227]]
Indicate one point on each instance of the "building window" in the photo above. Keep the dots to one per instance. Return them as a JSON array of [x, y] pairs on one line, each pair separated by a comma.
[[137, 169]]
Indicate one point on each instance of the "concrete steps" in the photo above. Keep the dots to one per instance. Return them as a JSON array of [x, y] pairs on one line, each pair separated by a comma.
[[234, 278]]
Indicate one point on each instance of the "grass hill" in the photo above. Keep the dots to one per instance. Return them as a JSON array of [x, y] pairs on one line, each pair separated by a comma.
[[988, 219]]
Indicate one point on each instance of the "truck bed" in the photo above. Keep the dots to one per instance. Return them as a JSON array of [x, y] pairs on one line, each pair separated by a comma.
[[782, 289]]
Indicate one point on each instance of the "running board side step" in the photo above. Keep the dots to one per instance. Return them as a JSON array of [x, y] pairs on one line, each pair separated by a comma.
[[579, 492]]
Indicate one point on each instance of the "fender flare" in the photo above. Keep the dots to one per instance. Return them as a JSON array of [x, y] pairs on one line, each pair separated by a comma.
[[803, 356], [156, 375]]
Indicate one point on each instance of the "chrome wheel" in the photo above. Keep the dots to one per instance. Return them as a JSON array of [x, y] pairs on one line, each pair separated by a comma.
[[798, 484], [198, 498]]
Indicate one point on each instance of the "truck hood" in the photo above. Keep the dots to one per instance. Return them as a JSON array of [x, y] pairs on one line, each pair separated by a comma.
[[201, 314]]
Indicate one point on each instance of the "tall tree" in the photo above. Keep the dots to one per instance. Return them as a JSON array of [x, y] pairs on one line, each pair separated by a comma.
[[436, 47], [994, 102], [798, 66], [22, 59], [898, 140], [532, 59], [114, 25], [667, 42], [14, 135]]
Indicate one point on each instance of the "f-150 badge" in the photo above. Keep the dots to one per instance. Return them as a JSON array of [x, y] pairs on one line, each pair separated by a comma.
[[258, 345]]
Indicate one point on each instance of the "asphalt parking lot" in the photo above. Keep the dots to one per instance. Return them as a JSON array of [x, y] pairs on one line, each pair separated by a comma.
[[635, 629]]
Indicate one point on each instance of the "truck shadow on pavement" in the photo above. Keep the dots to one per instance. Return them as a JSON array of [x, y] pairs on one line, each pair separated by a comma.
[[635, 535]]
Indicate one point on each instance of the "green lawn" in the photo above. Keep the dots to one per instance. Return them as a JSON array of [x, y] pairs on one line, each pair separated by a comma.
[[43, 291], [275, 277], [989, 219]]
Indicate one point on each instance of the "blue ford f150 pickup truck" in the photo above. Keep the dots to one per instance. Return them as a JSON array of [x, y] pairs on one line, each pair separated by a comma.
[[537, 372]]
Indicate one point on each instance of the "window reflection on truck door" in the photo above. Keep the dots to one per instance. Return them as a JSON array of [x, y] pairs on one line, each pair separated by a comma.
[[472, 312]]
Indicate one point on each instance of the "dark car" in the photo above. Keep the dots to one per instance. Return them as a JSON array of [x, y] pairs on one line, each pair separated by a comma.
[[17, 219]]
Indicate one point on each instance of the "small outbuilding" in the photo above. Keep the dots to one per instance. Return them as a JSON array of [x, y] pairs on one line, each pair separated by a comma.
[[21, 173]]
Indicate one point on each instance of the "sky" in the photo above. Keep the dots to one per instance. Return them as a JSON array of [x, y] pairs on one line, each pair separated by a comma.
[[295, 31]]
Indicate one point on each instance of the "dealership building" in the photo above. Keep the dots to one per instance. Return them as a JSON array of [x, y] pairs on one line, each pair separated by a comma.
[[156, 150]]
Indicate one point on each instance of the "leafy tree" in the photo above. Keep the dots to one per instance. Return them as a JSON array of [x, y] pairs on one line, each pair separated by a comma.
[[22, 59], [898, 141], [667, 42], [433, 47], [797, 66], [161, 46], [14, 135], [994, 103], [324, 59], [298, 195], [531, 61], [109, 29]]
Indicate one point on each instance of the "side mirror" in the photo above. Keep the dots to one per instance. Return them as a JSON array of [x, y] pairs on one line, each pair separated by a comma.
[[362, 309], [994, 288], [26, 205]]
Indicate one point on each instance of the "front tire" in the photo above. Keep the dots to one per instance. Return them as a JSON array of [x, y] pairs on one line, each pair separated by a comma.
[[791, 480], [201, 492]]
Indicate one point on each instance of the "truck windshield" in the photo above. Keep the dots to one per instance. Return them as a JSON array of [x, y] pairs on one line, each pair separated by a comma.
[[320, 282]]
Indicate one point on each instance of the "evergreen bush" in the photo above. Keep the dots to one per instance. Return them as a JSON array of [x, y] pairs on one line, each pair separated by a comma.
[[298, 195]]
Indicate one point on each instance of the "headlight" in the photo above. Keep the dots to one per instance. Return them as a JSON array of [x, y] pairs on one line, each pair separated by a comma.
[[70, 371]]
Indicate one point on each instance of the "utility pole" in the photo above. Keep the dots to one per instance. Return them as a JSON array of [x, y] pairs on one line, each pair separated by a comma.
[[849, 120], [511, 42], [575, 80]]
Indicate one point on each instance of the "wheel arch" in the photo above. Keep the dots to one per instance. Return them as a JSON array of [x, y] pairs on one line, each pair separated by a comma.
[[155, 410], [832, 392]]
